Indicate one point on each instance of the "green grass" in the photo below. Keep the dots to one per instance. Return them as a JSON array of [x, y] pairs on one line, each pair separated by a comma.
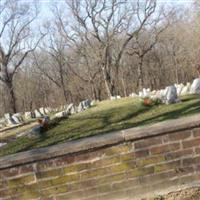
[[104, 117]]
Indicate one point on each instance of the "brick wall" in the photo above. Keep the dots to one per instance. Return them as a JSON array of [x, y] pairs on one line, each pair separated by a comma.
[[129, 164]]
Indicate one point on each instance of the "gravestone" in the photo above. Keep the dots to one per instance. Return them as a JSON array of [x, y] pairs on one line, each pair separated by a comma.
[[19, 117], [179, 88], [70, 106], [80, 107], [146, 92], [133, 95], [42, 111], [61, 114], [27, 115], [2, 144], [46, 110], [16, 119], [33, 114], [2, 122], [86, 104], [38, 114], [195, 87], [9, 119], [73, 110], [186, 89], [171, 95]]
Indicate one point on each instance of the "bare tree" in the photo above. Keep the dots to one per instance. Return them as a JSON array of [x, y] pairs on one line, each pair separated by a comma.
[[99, 24], [16, 41]]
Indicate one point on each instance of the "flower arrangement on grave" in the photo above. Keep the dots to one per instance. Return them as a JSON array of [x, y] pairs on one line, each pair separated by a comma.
[[147, 101]]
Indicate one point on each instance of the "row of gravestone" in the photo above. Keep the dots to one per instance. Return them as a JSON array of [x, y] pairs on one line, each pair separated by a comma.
[[72, 109], [172, 93], [62, 111]]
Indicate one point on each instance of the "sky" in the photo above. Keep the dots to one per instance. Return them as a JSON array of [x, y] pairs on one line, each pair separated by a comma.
[[45, 12]]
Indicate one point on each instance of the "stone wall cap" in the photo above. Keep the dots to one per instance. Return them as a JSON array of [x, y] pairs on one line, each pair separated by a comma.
[[100, 141]]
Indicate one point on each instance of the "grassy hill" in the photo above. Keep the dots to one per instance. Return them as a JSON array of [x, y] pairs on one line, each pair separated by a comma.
[[104, 117]]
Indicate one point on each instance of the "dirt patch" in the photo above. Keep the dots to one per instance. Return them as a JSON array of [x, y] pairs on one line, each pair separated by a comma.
[[187, 194]]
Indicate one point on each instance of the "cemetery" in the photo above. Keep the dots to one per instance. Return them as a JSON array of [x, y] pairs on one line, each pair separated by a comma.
[[99, 100], [98, 117]]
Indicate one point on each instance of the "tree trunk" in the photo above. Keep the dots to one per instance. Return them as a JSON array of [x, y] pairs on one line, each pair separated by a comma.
[[107, 81], [140, 75], [124, 87], [12, 98]]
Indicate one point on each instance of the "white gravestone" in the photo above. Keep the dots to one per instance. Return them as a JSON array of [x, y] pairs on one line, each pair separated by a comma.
[[195, 87]]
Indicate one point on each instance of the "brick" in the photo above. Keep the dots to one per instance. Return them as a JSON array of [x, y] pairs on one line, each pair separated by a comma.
[[82, 184], [167, 166], [191, 143], [121, 167], [115, 195], [76, 168], [88, 156], [22, 180], [178, 154], [4, 193], [197, 150], [155, 178], [106, 161], [70, 195], [110, 178], [147, 143], [196, 132], [26, 169], [165, 148], [29, 194], [94, 173], [54, 190], [124, 184], [44, 165], [119, 149], [65, 179], [191, 161], [42, 184], [91, 192], [49, 173], [65, 160], [180, 135], [10, 172], [150, 160], [139, 172], [189, 179], [142, 153], [104, 188], [127, 156]]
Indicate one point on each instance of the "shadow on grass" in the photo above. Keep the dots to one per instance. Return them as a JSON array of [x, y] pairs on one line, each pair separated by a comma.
[[109, 120]]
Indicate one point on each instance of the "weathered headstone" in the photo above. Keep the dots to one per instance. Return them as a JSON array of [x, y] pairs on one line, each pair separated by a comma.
[[61, 114], [19, 117], [38, 114], [146, 92], [171, 95], [33, 114], [80, 107], [9, 119], [16, 119], [2, 122], [27, 115], [195, 87], [186, 89], [133, 95], [42, 111], [179, 88], [3, 144], [69, 108]]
